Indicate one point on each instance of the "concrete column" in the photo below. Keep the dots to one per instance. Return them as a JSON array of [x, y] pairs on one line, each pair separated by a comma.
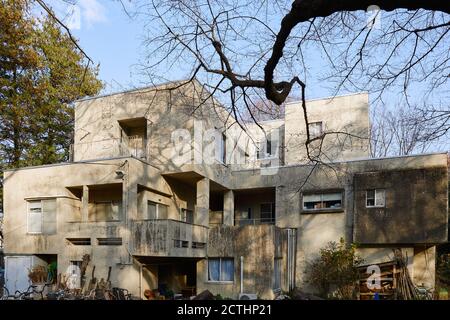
[[85, 204], [202, 203], [228, 208], [281, 219]]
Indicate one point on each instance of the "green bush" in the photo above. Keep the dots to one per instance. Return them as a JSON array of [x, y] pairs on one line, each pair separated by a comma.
[[334, 273]]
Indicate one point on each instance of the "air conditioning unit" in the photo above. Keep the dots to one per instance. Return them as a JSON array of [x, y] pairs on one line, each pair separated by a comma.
[[248, 296]]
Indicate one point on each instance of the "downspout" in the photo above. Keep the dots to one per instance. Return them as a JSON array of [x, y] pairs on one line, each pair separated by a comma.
[[140, 280], [242, 274]]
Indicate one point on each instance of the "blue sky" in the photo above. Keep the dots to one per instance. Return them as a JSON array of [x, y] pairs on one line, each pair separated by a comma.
[[115, 40], [108, 36]]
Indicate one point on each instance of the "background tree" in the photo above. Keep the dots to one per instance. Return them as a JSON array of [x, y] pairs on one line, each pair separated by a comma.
[[42, 72]]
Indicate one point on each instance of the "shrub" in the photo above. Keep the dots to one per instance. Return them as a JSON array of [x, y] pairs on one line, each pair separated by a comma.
[[334, 273]]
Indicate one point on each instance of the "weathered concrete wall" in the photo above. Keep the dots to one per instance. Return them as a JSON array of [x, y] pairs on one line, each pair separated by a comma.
[[257, 244], [344, 114], [415, 209]]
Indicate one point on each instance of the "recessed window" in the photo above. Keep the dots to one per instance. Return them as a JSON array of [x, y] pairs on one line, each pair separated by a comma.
[[187, 215], [315, 129], [198, 245], [80, 241], [156, 210], [268, 147], [375, 198], [180, 243], [267, 212], [41, 216], [321, 201], [107, 210], [109, 241], [221, 269]]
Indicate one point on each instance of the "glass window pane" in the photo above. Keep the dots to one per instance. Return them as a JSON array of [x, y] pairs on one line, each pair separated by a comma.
[[35, 222], [213, 269], [162, 211], [379, 198], [312, 198], [115, 210], [151, 210], [370, 194], [227, 270], [35, 206], [332, 196]]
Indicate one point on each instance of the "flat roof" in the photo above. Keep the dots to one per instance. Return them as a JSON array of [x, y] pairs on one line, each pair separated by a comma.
[[143, 88], [330, 97]]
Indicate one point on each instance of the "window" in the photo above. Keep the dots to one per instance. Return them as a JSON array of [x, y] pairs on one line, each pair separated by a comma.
[[267, 212], [267, 147], [42, 216], [80, 241], [187, 215], [221, 269], [198, 245], [109, 210], [109, 241], [320, 201], [156, 210], [277, 274], [375, 198], [315, 129], [180, 243], [221, 148]]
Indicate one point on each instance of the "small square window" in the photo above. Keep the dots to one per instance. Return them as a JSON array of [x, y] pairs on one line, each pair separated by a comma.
[[375, 198], [315, 129]]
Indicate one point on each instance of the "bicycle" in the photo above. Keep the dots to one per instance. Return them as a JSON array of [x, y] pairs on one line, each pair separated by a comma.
[[29, 294]]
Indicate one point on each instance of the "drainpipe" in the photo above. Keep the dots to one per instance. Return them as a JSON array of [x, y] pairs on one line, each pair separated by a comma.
[[140, 280], [242, 274]]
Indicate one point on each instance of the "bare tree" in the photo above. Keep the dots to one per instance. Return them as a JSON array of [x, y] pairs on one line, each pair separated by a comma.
[[402, 131], [248, 51]]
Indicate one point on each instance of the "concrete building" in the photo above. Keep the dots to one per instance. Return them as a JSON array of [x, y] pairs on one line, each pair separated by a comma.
[[172, 194]]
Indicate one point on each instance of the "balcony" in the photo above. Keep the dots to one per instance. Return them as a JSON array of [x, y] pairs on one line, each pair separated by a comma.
[[168, 238], [254, 222], [109, 148]]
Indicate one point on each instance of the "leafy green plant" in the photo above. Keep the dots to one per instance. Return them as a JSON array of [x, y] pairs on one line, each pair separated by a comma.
[[334, 273]]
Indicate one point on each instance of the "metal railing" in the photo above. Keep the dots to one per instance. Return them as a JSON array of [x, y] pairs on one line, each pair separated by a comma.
[[254, 221]]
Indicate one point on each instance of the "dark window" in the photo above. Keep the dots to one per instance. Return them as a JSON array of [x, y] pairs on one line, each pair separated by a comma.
[[80, 241], [109, 241], [198, 245]]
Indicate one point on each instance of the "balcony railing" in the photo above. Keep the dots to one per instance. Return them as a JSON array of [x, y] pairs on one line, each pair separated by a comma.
[[108, 148], [165, 237], [255, 221]]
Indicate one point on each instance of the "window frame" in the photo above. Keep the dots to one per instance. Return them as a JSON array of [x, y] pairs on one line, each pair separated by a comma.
[[272, 212], [158, 206], [28, 217], [262, 151], [312, 136], [185, 214], [375, 198], [43, 229], [322, 193], [220, 270]]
